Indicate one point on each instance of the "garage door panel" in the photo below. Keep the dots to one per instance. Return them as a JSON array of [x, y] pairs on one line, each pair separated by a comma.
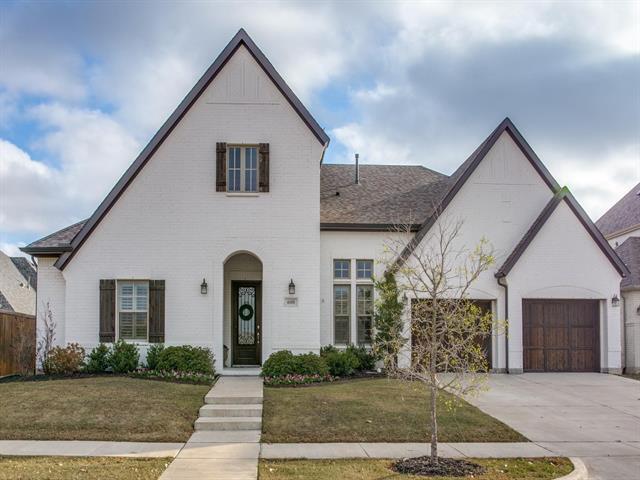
[[561, 335]]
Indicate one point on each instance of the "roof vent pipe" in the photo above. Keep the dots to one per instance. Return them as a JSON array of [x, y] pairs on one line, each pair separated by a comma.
[[357, 169]]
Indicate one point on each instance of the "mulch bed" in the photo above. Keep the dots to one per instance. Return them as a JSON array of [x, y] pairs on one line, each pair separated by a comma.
[[444, 467]]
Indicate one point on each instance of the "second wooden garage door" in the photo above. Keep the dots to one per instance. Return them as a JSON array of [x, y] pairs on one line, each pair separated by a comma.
[[561, 336]]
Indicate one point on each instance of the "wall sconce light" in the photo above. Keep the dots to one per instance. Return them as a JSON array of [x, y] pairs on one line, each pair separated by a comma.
[[615, 301], [292, 287], [203, 287]]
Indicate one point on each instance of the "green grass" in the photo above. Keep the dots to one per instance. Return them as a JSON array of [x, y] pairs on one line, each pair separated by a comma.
[[85, 468], [379, 410], [364, 469], [99, 408]]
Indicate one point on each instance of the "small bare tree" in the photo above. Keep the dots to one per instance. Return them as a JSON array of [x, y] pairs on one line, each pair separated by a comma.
[[448, 329], [47, 334]]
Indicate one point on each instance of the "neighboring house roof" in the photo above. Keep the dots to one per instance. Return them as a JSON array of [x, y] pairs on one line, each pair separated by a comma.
[[629, 252], [461, 175], [623, 216], [240, 39], [26, 269], [386, 195], [547, 211], [16, 291]]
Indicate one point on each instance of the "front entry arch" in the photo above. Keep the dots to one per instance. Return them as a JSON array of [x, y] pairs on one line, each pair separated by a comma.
[[243, 310]]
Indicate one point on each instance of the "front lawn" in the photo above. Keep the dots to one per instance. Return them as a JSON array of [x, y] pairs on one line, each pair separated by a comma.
[[364, 469], [87, 468], [380, 410], [99, 408]]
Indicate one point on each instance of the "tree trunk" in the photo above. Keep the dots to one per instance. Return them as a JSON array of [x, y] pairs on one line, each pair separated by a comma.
[[434, 424]]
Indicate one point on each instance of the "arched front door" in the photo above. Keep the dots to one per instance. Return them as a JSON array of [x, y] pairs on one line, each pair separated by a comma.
[[246, 322]]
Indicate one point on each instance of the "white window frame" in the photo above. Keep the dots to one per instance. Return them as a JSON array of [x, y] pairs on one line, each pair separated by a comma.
[[135, 310], [353, 282], [333, 309], [243, 168], [358, 277]]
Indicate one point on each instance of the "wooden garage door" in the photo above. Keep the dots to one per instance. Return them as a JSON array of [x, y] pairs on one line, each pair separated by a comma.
[[561, 336]]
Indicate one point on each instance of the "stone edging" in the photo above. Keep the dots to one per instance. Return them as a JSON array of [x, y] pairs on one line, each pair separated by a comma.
[[579, 471]]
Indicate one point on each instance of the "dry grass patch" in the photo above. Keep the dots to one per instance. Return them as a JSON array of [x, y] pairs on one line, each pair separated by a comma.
[[364, 469], [86, 468], [379, 410], [99, 408]]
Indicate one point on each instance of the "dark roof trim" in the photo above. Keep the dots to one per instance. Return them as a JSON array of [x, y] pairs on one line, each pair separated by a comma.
[[468, 167], [363, 227], [546, 213], [47, 251], [241, 38]]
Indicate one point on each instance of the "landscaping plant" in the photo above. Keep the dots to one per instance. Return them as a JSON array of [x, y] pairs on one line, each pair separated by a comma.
[[387, 321], [124, 357], [98, 360], [342, 363], [47, 334], [366, 359], [153, 355], [446, 327], [64, 360], [185, 358]]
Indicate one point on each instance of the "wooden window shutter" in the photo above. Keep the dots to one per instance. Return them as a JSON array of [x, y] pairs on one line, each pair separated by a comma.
[[221, 167], [264, 167], [156, 311], [107, 311]]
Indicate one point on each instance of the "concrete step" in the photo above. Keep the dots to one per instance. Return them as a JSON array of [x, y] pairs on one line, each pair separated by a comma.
[[231, 410], [228, 423], [214, 399]]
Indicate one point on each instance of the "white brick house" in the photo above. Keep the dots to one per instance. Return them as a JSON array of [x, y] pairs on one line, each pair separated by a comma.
[[228, 231]]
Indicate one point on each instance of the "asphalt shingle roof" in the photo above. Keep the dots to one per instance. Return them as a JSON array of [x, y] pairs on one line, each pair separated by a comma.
[[27, 270], [629, 252], [385, 194], [623, 215], [61, 238]]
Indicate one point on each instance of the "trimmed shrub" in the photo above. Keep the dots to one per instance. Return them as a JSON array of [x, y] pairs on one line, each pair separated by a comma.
[[366, 359], [311, 364], [186, 358], [341, 364], [98, 359], [327, 349], [297, 380], [153, 355], [64, 360], [284, 363], [279, 364], [124, 357]]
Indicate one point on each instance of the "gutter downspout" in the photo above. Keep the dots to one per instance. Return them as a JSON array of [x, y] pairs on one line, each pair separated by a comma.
[[506, 316]]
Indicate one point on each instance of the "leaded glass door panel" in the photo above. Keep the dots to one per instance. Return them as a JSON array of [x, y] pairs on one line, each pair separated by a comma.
[[246, 322]]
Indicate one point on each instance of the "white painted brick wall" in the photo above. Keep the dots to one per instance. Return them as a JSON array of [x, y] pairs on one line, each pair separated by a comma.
[[171, 224], [51, 291]]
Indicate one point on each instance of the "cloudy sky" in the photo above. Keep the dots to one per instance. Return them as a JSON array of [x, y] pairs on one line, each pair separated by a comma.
[[84, 85]]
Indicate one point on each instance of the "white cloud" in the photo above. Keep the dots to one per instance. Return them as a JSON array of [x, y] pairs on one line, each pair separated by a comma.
[[12, 249]]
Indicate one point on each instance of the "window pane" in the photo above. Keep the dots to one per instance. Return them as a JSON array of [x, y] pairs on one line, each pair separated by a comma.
[[251, 169], [364, 311], [341, 268], [125, 321], [364, 268], [233, 170], [341, 312], [140, 330]]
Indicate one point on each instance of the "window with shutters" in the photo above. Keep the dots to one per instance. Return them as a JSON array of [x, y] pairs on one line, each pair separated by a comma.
[[341, 313], [133, 310], [242, 168]]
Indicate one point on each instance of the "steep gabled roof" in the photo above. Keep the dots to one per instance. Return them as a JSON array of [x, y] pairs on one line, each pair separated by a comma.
[[623, 216], [240, 39], [462, 174], [547, 211], [56, 243]]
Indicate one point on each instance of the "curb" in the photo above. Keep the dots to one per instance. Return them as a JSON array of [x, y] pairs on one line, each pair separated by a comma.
[[579, 471]]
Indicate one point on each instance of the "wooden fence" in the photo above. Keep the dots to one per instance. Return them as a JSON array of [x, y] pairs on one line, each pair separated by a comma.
[[17, 343]]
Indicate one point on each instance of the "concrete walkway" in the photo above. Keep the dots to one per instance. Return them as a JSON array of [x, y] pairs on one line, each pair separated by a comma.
[[81, 448], [226, 444]]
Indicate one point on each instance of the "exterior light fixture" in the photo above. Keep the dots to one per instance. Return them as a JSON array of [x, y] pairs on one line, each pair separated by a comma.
[[615, 301], [203, 287], [292, 287]]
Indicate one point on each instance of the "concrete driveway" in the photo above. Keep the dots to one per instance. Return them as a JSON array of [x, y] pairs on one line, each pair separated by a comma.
[[592, 416]]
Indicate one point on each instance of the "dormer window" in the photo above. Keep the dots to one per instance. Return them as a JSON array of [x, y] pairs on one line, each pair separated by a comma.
[[242, 169]]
